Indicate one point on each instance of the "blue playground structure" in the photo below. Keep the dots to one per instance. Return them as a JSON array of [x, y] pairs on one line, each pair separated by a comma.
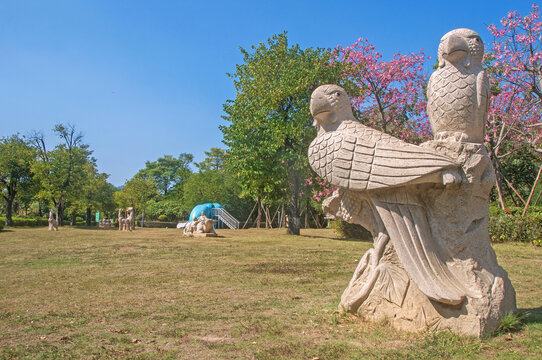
[[214, 211]]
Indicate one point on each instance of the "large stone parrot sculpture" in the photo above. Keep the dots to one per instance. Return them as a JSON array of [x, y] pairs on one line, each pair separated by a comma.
[[458, 91], [427, 206], [389, 174]]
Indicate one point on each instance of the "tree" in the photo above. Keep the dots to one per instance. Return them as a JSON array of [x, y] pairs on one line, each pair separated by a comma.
[[172, 209], [168, 172], [214, 160], [97, 194], [514, 64], [16, 157], [136, 192], [61, 172], [270, 122], [388, 95]]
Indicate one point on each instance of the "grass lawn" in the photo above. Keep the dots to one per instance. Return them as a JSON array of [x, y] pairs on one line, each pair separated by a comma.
[[151, 293]]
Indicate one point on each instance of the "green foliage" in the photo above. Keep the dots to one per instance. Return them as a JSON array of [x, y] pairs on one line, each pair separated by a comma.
[[214, 160], [216, 187], [509, 323], [521, 167], [270, 120], [506, 226], [16, 157], [204, 187], [63, 171], [164, 210], [160, 224], [23, 221], [350, 231], [136, 192], [168, 172]]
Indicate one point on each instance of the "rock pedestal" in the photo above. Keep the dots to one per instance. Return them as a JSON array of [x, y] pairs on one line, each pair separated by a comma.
[[458, 218]]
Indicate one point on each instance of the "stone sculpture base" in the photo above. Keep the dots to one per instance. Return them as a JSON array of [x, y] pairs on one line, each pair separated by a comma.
[[458, 216]]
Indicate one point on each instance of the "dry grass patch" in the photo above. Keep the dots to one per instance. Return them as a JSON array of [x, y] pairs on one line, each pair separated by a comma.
[[260, 294]]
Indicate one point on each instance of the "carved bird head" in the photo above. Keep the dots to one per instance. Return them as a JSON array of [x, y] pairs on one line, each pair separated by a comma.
[[461, 47], [330, 104]]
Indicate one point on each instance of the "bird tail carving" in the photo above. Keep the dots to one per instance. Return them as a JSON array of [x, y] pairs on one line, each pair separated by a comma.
[[409, 230]]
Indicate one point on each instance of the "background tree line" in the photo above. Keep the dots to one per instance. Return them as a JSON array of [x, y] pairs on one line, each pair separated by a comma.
[[269, 123], [35, 177], [269, 127]]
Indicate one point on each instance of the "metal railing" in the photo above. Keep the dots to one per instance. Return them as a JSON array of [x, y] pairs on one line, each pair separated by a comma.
[[226, 218]]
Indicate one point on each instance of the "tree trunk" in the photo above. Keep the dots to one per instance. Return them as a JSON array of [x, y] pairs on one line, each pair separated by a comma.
[[282, 217], [532, 192], [88, 216], [9, 208], [498, 182], [259, 217], [294, 221], [60, 213], [268, 222], [74, 219]]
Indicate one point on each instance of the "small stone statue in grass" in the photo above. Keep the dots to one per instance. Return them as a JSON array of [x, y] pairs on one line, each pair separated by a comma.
[[53, 224]]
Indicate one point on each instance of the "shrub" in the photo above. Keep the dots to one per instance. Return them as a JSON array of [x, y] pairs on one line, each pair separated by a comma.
[[18, 221], [350, 231], [510, 227], [162, 218], [159, 224], [1, 225]]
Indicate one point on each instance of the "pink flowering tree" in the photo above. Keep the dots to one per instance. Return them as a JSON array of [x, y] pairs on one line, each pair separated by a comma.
[[390, 95], [514, 63]]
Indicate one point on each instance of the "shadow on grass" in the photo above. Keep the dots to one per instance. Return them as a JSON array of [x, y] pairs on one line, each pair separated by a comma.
[[531, 316], [92, 227], [336, 238]]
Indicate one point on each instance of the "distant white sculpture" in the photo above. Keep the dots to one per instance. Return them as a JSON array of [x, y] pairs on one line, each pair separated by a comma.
[[121, 219], [53, 224], [432, 265], [130, 216], [202, 226], [105, 223], [126, 223]]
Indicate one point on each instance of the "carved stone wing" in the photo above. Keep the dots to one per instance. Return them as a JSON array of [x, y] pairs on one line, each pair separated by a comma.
[[369, 159]]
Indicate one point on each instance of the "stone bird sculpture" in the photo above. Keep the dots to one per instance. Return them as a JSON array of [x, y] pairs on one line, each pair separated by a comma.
[[458, 91], [387, 174]]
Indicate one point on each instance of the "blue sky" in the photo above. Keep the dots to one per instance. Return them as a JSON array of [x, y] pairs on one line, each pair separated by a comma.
[[142, 79]]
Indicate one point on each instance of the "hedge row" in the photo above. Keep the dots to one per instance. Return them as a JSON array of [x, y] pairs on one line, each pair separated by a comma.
[[158, 224], [26, 221], [504, 226], [18, 221], [508, 227], [350, 231]]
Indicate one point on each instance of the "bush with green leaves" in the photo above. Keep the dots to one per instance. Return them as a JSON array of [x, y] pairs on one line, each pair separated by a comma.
[[19, 221], [350, 231], [516, 228], [170, 209], [160, 224]]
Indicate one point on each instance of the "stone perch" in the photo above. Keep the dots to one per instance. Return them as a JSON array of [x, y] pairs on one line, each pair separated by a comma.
[[427, 206]]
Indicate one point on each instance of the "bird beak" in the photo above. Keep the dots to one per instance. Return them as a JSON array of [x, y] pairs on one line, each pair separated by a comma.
[[455, 48]]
